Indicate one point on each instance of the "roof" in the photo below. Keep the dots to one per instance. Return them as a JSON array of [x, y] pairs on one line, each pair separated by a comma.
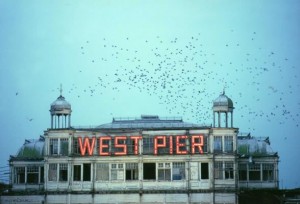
[[254, 146], [31, 149], [149, 122]]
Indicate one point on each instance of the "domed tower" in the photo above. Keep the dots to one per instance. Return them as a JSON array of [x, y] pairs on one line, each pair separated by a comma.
[[222, 106], [60, 113]]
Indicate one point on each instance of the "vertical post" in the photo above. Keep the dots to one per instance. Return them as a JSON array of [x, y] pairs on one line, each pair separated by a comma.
[[231, 119], [214, 118], [226, 119], [65, 121], [219, 119]]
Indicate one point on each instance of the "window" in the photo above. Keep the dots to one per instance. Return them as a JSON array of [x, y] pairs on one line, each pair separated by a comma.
[[42, 174], [229, 170], [52, 173], [64, 146], [243, 172], [204, 171], [53, 146], [164, 171], [19, 175], [33, 174], [132, 172], [149, 171], [228, 143], [178, 171], [205, 143], [148, 146], [268, 172], [102, 172], [218, 144], [76, 149], [130, 146], [218, 170], [254, 172], [117, 172], [86, 172], [63, 172], [77, 173]]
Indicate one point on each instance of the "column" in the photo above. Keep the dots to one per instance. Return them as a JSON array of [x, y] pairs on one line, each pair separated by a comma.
[[214, 125], [69, 120], [65, 121], [231, 118], [226, 119]]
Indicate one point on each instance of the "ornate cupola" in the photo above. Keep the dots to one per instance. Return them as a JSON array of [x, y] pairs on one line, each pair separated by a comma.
[[60, 111], [222, 106]]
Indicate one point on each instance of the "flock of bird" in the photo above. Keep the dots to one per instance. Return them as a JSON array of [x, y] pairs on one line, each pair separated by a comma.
[[186, 75]]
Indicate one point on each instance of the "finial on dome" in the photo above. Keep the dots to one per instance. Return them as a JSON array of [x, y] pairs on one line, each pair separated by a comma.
[[60, 89], [224, 87]]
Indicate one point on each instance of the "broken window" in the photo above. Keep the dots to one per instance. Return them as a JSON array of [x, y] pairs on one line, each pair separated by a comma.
[[243, 172], [178, 171], [149, 172], [86, 172], [33, 174], [132, 172], [218, 144], [254, 172], [64, 146], [19, 175], [204, 171], [164, 171], [228, 144], [229, 170], [77, 173], [218, 168], [117, 172], [53, 146], [102, 172], [63, 172], [268, 172], [52, 173]]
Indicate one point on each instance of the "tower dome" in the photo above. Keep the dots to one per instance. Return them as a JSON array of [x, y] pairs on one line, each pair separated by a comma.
[[60, 111], [223, 105], [60, 106]]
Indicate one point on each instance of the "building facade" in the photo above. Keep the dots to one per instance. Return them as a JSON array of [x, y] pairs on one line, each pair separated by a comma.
[[142, 160]]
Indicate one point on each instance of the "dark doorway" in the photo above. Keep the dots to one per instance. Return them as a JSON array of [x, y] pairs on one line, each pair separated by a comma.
[[149, 171]]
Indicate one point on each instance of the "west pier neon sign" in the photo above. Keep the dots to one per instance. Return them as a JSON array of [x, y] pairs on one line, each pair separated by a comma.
[[88, 144]]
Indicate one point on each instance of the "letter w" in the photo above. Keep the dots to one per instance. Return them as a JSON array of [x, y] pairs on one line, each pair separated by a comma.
[[86, 145]]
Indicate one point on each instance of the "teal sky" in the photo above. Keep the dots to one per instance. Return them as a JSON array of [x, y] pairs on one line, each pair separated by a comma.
[[170, 58]]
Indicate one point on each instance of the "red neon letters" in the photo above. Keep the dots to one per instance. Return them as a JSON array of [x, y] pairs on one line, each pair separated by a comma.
[[117, 145], [124, 146]]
